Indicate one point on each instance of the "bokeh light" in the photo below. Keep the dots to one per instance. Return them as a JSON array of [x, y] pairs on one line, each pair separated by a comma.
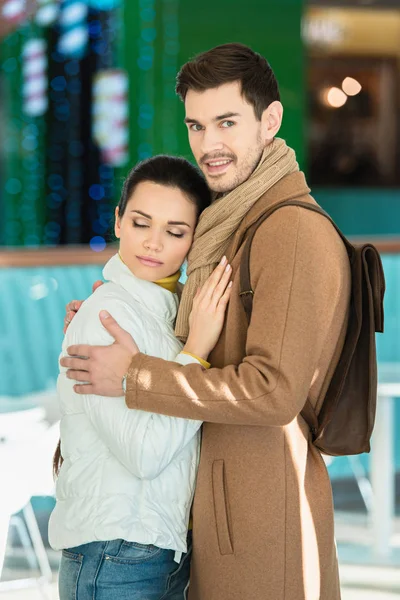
[[351, 86], [97, 243]]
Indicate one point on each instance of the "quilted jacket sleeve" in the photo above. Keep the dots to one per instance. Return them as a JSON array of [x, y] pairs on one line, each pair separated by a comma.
[[143, 442]]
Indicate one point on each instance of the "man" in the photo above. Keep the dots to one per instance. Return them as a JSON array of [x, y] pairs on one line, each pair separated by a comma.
[[262, 513]]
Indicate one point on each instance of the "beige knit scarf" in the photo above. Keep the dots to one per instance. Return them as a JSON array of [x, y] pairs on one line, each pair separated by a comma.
[[219, 222]]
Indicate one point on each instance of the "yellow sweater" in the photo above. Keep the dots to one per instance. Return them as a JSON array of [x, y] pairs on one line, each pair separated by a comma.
[[170, 283]]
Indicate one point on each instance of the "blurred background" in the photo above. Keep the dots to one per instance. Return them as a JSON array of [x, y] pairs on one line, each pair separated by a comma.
[[87, 90]]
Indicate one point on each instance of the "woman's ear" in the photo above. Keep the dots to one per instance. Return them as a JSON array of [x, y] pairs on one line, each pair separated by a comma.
[[117, 226]]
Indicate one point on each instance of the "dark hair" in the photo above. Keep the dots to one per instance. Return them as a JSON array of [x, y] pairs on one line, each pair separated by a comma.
[[57, 460], [172, 171], [226, 64]]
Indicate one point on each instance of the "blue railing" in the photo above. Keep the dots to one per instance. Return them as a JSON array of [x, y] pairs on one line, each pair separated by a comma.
[[32, 308]]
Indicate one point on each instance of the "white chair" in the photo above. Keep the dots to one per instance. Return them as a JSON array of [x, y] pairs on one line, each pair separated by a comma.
[[26, 448], [361, 477]]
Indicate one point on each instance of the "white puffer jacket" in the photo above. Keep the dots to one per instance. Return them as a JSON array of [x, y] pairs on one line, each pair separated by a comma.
[[126, 473]]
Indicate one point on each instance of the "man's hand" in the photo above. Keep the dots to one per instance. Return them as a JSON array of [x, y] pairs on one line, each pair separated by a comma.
[[72, 307], [101, 368]]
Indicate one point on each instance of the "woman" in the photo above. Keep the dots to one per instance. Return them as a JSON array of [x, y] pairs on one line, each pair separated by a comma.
[[126, 483]]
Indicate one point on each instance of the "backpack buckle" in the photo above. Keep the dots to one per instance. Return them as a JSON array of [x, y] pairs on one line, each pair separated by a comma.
[[247, 292]]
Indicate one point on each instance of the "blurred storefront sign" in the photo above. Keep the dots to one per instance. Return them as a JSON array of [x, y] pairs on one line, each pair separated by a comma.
[[322, 30], [352, 31], [110, 115], [353, 86]]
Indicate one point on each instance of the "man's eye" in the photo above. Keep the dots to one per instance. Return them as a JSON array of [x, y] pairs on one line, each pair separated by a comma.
[[195, 127], [177, 235], [227, 124]]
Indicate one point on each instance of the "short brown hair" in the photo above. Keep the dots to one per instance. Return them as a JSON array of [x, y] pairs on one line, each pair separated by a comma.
[[226, 64]]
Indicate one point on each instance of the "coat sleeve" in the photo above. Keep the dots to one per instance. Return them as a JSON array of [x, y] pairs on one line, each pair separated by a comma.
[[143, 442], [296, 289]]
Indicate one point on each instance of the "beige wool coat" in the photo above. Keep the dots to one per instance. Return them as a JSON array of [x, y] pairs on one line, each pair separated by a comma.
[[262, 514]]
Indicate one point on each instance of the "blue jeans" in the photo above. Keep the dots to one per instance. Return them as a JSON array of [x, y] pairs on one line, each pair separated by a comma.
[[120, 570]]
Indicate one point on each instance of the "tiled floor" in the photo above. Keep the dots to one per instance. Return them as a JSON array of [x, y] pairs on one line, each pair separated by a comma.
[[361, 578], [354, 594], [30, 594], [347, 594]]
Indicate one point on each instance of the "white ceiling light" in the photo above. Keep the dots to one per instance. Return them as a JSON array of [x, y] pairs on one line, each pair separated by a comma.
[[351, 86], [333, 97]]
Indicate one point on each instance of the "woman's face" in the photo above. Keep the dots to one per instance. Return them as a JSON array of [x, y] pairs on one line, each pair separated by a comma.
[[156, 230]]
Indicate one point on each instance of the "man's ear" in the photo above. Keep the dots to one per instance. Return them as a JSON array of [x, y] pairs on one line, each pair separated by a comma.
[[117, 225], [271, 120]]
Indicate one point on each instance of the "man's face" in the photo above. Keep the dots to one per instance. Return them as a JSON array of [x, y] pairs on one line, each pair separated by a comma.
[[225, 136]]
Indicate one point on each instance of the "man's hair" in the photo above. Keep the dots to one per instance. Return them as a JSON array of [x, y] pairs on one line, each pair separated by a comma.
[[226, 64]]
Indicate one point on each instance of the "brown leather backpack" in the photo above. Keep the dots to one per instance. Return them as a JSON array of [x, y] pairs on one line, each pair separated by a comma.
[[345, 422]]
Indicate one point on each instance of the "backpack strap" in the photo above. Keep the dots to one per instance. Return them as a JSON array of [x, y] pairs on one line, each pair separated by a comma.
[[246, 293], [366, 272], [370, 257]]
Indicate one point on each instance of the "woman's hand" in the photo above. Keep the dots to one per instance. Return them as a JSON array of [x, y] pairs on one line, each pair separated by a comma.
[[72, 307], [208, 312]]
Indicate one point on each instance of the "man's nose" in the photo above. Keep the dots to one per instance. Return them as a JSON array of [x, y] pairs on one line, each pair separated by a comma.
[[211, 141]]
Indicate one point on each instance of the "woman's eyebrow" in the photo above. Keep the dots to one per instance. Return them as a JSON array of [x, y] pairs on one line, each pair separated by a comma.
[[139, 212], [178, 223]]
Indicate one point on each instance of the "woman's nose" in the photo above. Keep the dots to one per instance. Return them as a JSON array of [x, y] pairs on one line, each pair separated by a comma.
[[153, 242]]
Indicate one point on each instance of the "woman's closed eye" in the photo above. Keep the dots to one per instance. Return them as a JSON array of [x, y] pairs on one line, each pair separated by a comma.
[[139, 224], [143, 225], [177, 235]]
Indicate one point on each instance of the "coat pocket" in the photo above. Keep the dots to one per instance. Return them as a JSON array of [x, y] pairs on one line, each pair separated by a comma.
[[221, 507]]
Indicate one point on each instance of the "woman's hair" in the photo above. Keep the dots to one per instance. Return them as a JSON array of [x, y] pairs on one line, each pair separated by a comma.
[[226, 64], [57, 459], [172, 171]]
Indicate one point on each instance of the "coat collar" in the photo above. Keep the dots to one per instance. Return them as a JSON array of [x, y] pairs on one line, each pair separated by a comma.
[[159, 301], [288, 188]]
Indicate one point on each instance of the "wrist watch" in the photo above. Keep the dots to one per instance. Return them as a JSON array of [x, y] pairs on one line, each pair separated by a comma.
[[124, 383]]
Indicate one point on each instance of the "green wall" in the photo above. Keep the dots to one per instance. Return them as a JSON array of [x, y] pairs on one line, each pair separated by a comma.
[[181, 29], [22, 152], [152, 39], [272, 28]]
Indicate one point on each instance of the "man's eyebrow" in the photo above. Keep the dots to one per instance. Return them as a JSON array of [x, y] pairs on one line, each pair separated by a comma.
[[139, 212], [227, 115]]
